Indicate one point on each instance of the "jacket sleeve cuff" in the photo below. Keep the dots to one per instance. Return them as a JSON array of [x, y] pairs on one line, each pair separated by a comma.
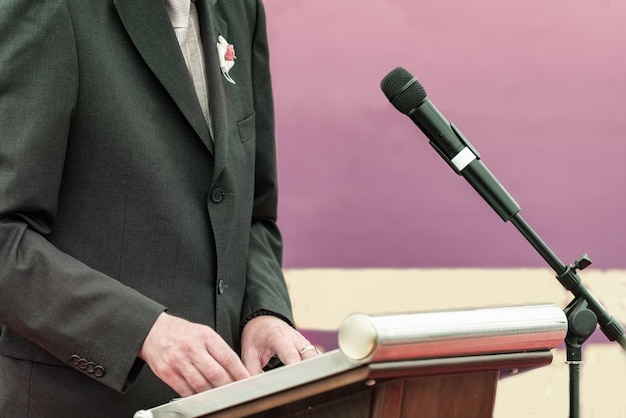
[[261, 312]]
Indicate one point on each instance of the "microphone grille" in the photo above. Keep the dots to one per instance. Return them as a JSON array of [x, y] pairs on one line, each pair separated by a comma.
[[403, 90]]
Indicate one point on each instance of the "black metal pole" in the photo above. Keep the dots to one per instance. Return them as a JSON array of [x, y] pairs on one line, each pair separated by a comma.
[[581, 323], [584, 313], [574, 389], [569, 278]]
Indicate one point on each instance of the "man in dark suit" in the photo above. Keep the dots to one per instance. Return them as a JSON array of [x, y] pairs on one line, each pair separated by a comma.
[[134, 229]]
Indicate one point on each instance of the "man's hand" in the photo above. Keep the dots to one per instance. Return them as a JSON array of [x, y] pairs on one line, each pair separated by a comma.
[[267, 336], [189, 357]]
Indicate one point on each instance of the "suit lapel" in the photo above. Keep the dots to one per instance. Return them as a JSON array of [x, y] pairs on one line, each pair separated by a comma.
[[212, 26], [145, 22]]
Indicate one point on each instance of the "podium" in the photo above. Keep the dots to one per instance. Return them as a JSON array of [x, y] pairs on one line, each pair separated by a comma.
[[425, 365]]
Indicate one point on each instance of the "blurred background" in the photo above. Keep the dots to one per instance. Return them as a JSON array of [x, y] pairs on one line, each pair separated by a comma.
[[537, 87], [374, 220]]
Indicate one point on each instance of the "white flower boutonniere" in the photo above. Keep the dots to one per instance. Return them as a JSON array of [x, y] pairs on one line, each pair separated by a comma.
[[226, 54]]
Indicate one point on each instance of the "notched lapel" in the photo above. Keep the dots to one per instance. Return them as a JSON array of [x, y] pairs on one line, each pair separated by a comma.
[[144, 22], [213, 25]]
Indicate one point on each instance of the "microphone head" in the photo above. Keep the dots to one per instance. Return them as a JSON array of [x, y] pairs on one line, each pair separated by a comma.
[[403, 90]]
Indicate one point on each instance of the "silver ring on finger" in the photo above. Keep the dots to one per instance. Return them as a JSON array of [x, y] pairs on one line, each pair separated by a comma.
[[306, 348]]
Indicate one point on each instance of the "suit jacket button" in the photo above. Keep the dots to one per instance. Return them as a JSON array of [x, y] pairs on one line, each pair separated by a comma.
[[98, 371], [82, 364], [217, 195], [90, 367], [75, 359], [220, 287]]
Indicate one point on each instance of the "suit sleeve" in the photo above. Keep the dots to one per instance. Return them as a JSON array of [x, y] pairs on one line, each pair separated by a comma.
[[266, 291], [52, 300]]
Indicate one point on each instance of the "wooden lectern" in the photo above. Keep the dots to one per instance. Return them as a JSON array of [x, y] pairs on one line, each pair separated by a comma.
[[424, 365]]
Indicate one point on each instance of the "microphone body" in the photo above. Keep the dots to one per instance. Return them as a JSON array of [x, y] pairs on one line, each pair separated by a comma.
[[407, 95]]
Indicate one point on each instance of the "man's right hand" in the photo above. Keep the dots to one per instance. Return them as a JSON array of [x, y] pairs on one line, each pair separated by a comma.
[[190, 357]]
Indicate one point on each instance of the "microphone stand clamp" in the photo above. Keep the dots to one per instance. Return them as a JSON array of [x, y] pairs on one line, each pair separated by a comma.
[[582, 322]]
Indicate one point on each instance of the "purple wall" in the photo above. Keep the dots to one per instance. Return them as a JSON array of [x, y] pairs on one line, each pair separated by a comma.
[[537, 87]]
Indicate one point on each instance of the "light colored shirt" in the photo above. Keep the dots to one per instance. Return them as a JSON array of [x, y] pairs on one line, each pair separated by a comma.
[[184, 17]]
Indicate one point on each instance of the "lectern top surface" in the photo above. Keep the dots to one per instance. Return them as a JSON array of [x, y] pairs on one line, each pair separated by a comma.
[[255, 387], [396, 342]]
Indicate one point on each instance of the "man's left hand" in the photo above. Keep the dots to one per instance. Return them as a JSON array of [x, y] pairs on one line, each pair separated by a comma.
[[267, 336]]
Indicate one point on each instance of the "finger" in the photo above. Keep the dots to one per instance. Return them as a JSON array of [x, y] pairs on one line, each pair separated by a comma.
[[185, 375], [215, 375], [175, 379], [288, 352], [308, 351], [180, 386], [201, 374], [224, 365], [196, 380], [252, 361]]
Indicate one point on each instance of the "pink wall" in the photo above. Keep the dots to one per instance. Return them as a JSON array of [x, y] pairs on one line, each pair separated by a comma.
[[537, 87]]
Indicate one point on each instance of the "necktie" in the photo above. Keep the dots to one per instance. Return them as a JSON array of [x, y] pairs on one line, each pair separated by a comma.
[[184, 18], [178, 11]]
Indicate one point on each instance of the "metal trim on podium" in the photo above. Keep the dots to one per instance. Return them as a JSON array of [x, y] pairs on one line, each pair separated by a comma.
[[390, 366]]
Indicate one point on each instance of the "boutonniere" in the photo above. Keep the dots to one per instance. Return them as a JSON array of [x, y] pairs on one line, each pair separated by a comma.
[[226, 54]]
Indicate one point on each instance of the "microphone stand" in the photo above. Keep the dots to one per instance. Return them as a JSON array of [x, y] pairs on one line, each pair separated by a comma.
[[584, 313]]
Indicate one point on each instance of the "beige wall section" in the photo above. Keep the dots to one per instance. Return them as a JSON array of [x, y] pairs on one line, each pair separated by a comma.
[[323, 298]]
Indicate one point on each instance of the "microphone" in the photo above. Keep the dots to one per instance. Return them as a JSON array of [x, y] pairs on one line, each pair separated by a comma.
[[408, 96]]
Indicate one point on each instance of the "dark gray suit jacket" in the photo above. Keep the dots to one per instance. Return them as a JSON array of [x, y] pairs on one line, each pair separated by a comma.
[[115, 202]]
